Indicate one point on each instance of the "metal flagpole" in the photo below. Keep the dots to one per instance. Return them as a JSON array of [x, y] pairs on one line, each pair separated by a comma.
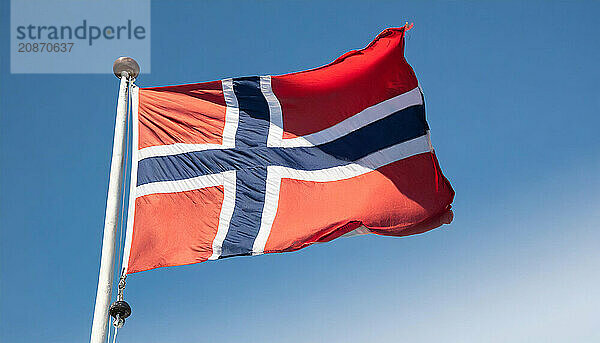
[[127, 70]]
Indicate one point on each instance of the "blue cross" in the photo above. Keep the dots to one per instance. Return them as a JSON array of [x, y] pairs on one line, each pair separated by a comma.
[[251, 157]]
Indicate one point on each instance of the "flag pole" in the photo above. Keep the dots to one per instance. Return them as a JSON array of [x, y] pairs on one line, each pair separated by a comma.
[[126, 69]]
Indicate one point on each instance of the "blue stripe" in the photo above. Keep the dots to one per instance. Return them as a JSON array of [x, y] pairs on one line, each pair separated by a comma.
[[252, 133], [397, 128], [245, 220], [253, 125]]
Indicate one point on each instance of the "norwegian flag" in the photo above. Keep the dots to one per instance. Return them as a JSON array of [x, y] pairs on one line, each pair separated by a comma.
[[265, 164]]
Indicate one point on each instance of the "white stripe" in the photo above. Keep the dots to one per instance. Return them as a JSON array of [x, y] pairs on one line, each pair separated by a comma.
[[174, 149], [232, 114], [276, 120], [362, 166], [269, 209], [226, 213], [357, 121], [133, 178], [397, 152], [197, 182]]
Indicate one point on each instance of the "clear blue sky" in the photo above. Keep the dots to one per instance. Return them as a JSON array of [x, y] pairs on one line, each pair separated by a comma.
[[513, 100]]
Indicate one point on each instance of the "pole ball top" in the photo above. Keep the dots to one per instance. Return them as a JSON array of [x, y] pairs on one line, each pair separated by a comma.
[[128, 65]]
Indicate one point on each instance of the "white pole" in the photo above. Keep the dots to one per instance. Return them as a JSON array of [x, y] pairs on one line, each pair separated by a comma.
[[126, 69], [113, 206]]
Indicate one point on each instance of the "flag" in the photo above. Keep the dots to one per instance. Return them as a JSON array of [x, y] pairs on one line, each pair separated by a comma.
[[267, 164]]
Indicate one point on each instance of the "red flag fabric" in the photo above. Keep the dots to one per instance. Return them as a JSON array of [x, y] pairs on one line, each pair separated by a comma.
[[265, 164]]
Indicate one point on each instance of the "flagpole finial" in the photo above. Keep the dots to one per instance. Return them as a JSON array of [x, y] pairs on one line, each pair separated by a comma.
[[126, 64]]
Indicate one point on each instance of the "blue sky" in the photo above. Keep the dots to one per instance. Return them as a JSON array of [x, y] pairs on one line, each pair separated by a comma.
[[512, 92]]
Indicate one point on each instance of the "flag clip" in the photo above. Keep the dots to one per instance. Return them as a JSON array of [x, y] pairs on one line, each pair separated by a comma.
[[120, 309]]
